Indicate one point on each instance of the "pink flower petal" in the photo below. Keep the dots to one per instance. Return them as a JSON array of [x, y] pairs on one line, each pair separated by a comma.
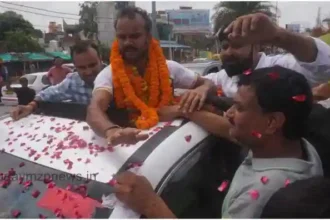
[[223, 186], [256, 134], [112, 182], [69, 187], [22, 164], [264, 179], [15, 213], [254, 194], [188, 138], [35, 194], [51, 185], [247, 72], [287, 182], [299, 98]]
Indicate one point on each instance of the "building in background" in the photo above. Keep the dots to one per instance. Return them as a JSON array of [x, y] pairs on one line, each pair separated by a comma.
[[190, 21], [296, 28], [191, 27], [106, 15]]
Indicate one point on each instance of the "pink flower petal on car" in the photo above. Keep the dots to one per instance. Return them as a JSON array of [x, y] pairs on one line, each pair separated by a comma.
[[254, 194], [264, 179], [223, 186]]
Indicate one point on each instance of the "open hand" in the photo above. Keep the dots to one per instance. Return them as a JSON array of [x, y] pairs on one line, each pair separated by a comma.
[[193, 99], [125, 136]]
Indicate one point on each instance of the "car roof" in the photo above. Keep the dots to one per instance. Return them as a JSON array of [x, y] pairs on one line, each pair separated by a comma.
[[52, 135]]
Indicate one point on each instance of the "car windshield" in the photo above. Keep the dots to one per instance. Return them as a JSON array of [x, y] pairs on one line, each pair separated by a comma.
[[31, 78]]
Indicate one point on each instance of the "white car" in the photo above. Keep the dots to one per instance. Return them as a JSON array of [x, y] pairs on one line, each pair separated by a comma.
[[184, 164], [36, 81]]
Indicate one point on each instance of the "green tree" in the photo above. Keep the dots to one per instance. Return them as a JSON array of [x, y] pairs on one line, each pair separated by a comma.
[[18, 34], [88, 19], [225, 12], [11, 21], [18, 41]]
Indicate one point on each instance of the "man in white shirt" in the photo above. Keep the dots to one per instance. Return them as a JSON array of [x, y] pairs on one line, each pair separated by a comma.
[[134, 42], [241, 42]]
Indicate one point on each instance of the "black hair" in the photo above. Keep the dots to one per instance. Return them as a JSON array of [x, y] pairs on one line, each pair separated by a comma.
[[308, 198], [130, 12], [55, 58], [82, 46], [23, 80], [275, 88]]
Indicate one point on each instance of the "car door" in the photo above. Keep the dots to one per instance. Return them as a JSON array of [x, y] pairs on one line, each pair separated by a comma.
[[190, 187]]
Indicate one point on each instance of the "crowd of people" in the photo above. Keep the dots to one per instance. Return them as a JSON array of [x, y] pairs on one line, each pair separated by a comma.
[[270, 101]]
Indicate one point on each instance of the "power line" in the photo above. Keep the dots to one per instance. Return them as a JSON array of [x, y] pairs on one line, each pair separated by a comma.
[[53, 16], [38, 13], [56, 12], [41, 9]]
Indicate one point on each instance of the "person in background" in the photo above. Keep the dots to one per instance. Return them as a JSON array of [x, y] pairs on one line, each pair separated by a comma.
[[32, 67], [304, 199], [269, 116], [3, 76], [58, 72], [25, 95], [242, 39], [76, 87]]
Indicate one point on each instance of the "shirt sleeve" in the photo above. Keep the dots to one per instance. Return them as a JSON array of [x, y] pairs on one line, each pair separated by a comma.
[[316, 72], [55, 93], [103, 80], [182, 77]]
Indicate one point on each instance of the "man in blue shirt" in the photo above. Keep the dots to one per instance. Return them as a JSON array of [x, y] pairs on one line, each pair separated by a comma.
[[77, 87]]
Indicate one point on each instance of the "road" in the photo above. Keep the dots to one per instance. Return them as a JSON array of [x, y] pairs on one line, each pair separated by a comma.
[[5, 110]]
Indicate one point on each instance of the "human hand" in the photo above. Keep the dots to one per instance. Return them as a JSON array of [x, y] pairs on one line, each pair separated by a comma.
[[193, 99], [135, 191], [169, 113], [125, 136], [252, 29], [321, 92], [21, 111]]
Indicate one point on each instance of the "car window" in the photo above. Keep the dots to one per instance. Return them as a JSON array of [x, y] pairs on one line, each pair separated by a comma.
[[190, 188], [213, 70], [30, 78], [45, 80]]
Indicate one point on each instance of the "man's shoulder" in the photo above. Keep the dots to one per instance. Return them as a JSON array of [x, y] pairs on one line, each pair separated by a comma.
[[105, 72]]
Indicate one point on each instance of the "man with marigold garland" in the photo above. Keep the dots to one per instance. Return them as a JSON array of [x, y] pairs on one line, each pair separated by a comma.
[[140, 80]]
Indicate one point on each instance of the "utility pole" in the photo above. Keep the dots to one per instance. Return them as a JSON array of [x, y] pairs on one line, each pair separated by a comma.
[[169, 36], [154, 20]]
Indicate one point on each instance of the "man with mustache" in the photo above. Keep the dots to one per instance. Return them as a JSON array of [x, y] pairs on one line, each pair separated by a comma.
[[76, 87], [241, 41], [269, 115], [140, 80]]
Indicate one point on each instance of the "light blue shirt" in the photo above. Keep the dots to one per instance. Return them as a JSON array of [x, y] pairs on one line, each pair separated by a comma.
[[239, 203]]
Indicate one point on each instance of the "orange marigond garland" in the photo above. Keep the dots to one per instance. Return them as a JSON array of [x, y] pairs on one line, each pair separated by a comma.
[[130, 88]]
